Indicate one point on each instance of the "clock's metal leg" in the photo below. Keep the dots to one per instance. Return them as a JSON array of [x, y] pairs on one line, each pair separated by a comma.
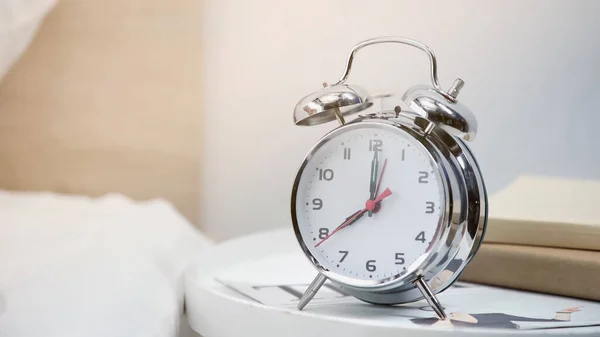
[[311, 291], [430, 297]]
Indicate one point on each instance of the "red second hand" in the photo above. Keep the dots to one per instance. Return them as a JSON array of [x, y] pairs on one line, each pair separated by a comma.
[[381, 176], [369, 206]]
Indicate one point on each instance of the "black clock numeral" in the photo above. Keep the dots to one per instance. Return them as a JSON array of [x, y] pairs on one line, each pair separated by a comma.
[[344, 254], [347, 153], [326, 174], [421, 237], [318, 204], [430, 207], [370, 265], [323, 232], [399, 258], [402, 154], [375, 144], [423, 177]]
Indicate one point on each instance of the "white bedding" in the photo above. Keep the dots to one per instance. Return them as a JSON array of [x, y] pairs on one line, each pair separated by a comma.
[[19, 20], [75, 266]]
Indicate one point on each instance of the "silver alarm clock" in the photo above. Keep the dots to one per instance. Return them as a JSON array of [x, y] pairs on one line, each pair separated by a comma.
[[390, 206]]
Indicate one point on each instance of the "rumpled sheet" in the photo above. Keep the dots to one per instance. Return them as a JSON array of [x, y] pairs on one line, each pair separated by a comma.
[[19, 21], [78, 266]]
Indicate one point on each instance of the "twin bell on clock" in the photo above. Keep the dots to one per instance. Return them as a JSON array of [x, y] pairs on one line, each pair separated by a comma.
[[389, 206]]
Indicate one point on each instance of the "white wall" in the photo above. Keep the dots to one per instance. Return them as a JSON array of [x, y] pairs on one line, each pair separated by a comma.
[[531, 68]]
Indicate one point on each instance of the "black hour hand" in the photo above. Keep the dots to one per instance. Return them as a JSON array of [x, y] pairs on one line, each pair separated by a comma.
[[354, 214]]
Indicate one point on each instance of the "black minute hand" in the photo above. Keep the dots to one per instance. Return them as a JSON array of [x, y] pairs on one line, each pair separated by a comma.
[[373, 183]]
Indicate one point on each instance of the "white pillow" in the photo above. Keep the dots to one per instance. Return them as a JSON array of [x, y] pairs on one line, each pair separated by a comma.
[[19, 20], [76, 266]]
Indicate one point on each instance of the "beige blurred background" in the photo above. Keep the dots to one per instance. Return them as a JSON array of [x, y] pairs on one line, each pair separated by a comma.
[[192, 100], [107, 99]]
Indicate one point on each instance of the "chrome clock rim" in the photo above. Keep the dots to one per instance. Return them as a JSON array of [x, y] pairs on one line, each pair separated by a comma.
[[413, 271]]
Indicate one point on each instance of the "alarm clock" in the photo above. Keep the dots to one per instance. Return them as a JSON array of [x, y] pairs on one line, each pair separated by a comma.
[[389, 206]]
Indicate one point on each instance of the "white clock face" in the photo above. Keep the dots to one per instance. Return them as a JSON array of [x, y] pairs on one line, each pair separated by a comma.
[[369, 203]]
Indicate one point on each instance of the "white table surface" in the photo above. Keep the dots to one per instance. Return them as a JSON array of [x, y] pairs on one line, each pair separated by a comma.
[[215, 310]]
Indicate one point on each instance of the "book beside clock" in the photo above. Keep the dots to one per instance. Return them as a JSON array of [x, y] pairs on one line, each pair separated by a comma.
[[543, 235]]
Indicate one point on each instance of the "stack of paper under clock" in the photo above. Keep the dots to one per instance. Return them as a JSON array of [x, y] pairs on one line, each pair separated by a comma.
[[250, 286]]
